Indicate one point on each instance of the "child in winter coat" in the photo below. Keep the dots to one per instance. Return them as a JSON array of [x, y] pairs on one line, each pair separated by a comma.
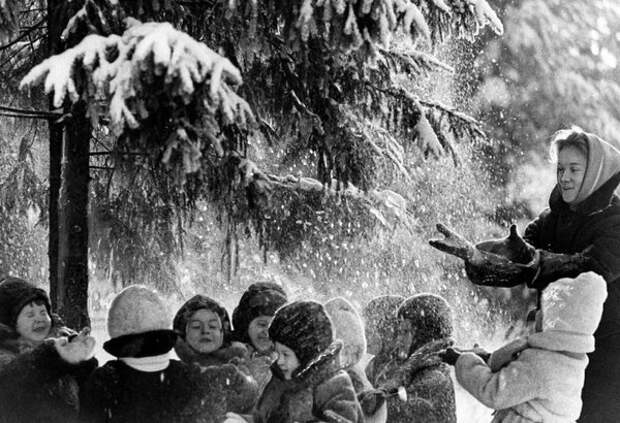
[[349, 329], [251, 319], [380, 328], [204, 333], [542, 380], [425, 329], [40, 370], [144, 384], [307, 384]]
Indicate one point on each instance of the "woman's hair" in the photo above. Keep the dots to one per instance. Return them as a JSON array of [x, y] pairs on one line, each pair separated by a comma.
[[574, 137]]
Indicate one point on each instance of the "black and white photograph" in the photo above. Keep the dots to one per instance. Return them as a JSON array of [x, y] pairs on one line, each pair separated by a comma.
[[309, 211]]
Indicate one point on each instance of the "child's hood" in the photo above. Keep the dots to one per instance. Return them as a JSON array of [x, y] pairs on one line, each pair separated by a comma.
[[349, 329], [379, 316], [572, 309]]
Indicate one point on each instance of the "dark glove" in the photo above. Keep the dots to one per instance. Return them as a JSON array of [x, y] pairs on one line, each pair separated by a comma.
[[554, 266], [371, 400], [491, 268], [449, 356]]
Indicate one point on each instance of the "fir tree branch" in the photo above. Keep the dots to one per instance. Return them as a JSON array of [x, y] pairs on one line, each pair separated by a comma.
[[416, 62], [474, 124]]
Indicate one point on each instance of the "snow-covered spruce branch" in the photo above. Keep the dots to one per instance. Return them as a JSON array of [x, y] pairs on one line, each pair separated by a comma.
[[426, 137], [414, 62], [475, 125], [448, 123], [117, 67], [350, 23], [151, 66], [380, 140], [386, 205]]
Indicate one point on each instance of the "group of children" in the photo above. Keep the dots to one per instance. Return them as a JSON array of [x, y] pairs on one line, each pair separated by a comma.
[[282, 361]]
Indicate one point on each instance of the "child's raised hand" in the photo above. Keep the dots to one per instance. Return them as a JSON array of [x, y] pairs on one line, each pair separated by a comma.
[[78, 348]]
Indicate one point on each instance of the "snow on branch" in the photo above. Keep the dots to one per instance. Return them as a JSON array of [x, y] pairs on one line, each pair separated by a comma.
[[412, 62], [385, 205], [152, 75], [383, 143], [436, 128], [348, 24]]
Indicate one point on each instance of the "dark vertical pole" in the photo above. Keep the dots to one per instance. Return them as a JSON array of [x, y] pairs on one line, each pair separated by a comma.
[[72, 284], [54, 28]]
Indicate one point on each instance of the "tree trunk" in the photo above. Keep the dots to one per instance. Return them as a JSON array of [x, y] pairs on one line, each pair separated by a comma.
[[55, 145], [72, 284], [55, 23]]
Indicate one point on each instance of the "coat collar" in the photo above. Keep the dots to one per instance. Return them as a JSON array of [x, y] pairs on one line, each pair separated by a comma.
[[221, 356], [599, 200]]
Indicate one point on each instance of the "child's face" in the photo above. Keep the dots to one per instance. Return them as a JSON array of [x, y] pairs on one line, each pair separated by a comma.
[[287, 360], [404, 338], [258, 332], [33, 322], [204, 331]]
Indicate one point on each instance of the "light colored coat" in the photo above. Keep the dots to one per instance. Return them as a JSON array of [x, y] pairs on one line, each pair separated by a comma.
[[544, 382]]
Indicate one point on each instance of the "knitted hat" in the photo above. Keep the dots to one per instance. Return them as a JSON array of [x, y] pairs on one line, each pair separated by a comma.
[[260, 299], [304, 327], [430, 315], [574, 306], [348, 328], [138, 324], [199, 302], [16, 293]]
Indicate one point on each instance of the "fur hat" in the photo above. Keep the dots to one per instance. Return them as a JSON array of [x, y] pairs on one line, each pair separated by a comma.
[[16, 293], [430, 315], [349, 329], [304, 327], [138, 324], [199, 302], [260, 299]]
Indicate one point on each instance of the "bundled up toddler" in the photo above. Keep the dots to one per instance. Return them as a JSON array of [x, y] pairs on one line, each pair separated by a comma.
[[539, 378], [424, 329], [251, 319], [307, 384], [204, 333], [40, 369], [380, 327], [349, 329]]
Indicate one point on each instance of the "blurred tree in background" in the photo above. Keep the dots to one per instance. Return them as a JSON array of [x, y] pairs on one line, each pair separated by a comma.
[[556, 66]]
